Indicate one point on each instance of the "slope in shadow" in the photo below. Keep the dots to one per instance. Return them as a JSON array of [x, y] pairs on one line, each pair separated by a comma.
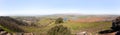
[[14, 20], [106, 31], [115, 27], [11, 24]]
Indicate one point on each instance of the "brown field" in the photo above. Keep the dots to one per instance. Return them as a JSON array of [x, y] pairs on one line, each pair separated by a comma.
[[94, 19]]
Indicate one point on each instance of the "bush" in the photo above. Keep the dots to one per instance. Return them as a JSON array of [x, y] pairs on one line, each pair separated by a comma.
[[59, 20], [59, 30]]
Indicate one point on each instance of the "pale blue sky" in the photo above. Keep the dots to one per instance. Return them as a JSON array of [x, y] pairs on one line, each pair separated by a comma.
[[46, 7]]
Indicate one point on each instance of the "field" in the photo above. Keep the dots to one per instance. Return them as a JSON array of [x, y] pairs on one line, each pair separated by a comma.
[[75, 27], [41, 25]]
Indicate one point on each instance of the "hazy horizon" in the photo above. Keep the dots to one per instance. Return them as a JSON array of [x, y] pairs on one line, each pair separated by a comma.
[[49, 7]]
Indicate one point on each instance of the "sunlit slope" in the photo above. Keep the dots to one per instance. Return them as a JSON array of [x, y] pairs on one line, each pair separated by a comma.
[[75, 27]]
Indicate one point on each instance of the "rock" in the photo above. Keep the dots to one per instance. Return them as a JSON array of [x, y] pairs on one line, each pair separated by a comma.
[[2, 32], [116, 24], [17, 33], [82, 33], [28, 34], [8, 34]]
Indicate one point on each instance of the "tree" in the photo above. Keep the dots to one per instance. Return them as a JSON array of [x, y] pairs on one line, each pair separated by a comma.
[[59, 20], [59, 30]]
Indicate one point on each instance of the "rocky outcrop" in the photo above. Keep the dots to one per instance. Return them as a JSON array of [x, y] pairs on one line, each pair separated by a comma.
[[116, 24]]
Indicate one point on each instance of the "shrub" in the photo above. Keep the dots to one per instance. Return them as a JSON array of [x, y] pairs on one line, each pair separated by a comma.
[[59, 30], [59, 20]]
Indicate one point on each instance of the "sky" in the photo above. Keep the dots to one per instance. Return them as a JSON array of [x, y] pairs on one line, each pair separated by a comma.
[[47, 7]]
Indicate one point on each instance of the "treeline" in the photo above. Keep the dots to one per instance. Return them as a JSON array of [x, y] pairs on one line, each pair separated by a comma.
[[11, 24]]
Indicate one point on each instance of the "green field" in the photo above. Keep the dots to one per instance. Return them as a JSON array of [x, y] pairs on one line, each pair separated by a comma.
[[92, 27], [6, 29]]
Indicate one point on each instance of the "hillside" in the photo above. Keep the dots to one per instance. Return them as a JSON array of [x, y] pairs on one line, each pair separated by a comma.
[[39, 25], [10, 24]]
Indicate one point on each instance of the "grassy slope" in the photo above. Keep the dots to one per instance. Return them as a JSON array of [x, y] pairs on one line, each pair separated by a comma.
[[6, 29], [75, 27], [93, 27], [39, 30]]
